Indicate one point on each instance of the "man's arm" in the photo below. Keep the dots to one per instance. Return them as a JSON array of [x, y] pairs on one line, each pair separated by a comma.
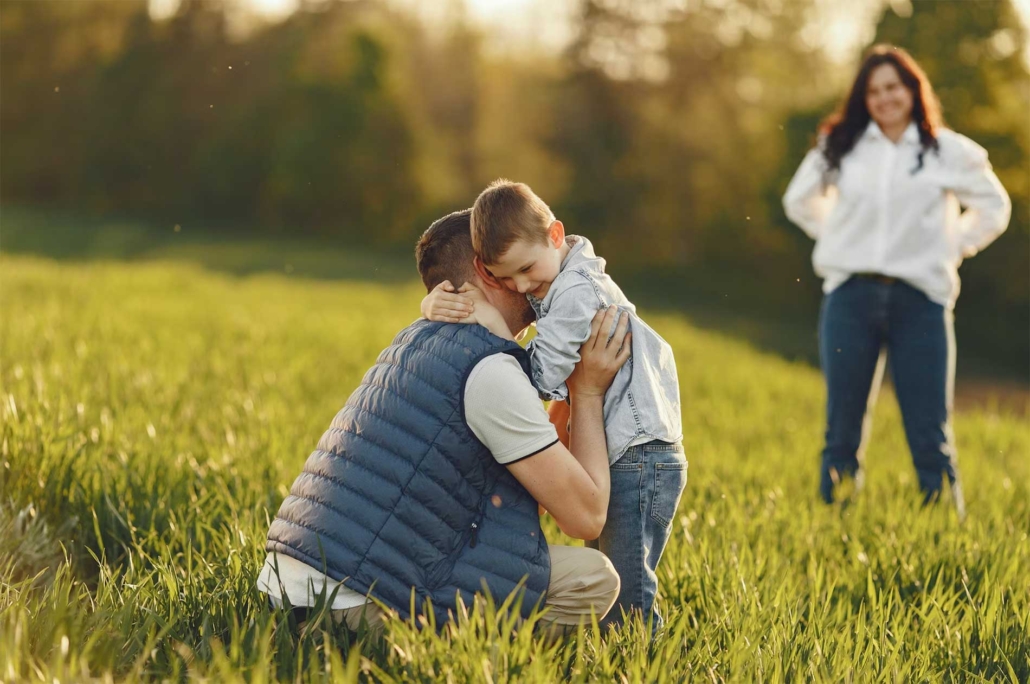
[[574, 485]]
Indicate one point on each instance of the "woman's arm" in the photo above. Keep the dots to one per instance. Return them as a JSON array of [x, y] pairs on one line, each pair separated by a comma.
[[808, 201], [987, 205]]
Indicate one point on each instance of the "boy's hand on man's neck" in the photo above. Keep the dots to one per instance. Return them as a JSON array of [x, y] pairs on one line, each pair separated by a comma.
[[486, 314]]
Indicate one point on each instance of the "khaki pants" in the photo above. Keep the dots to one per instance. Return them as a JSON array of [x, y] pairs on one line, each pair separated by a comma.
[[583, 583]]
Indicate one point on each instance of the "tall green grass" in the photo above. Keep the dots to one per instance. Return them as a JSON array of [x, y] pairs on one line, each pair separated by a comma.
[[153, 416]]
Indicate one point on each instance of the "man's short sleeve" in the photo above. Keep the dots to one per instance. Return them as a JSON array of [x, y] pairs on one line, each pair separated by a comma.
[[504, 412]]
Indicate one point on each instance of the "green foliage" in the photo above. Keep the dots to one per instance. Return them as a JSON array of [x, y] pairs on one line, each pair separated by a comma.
[[300, 125], [32, 551], [154, 413], [666, 132]]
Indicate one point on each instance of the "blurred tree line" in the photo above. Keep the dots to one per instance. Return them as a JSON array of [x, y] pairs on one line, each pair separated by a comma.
[[666, 131]]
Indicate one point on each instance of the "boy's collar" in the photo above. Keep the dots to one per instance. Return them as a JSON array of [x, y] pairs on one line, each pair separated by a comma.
[[575, 243]]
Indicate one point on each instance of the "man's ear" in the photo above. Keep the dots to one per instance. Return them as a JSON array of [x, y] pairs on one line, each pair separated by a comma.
[[485, 275], [556, 234]]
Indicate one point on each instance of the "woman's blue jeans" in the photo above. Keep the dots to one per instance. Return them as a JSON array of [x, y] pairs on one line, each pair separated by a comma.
[[856, 321]]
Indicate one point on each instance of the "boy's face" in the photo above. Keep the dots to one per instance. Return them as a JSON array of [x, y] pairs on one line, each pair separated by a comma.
[[529, 267]]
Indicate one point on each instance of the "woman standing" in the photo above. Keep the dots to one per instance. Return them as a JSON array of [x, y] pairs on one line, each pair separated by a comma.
[[881, 196]]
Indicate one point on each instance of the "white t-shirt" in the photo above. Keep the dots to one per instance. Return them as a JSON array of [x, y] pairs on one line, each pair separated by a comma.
[[502, 409]]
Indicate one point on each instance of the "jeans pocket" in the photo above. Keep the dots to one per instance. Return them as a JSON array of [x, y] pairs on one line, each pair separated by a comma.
[[633, 459], [669, 481]]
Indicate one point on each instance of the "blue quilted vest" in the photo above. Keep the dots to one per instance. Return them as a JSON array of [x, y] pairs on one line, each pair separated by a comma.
[[399, 494]]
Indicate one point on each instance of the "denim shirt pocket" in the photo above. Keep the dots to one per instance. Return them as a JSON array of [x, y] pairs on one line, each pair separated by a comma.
[[669, 481]]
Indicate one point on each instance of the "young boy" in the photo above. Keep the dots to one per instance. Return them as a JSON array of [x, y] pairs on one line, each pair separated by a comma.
[[519, 243]]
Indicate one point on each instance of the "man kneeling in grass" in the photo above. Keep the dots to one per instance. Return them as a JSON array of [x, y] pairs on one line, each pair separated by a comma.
[[427, 482]]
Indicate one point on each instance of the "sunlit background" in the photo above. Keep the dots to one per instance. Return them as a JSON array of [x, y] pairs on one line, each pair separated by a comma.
[[548, 24], [666, 130], [208, 210]]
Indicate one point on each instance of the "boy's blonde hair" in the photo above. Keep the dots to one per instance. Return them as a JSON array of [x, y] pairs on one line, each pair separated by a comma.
[[504, 213]]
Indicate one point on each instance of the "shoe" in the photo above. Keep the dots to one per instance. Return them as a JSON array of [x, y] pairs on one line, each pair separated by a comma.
[[832, 477]]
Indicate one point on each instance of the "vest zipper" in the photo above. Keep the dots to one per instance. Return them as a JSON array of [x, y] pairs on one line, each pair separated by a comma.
[[474, 529]]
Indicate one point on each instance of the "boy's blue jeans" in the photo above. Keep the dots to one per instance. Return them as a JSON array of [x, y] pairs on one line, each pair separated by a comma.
[[857, 320], [646, 486]]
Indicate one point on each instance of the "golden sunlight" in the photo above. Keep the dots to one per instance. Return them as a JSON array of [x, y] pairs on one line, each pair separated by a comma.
[[274, 8]]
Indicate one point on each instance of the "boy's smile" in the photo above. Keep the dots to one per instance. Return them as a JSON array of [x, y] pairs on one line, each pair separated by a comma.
[[530, 267]]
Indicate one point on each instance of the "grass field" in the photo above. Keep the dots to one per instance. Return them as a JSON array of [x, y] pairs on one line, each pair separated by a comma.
[[154, 415]]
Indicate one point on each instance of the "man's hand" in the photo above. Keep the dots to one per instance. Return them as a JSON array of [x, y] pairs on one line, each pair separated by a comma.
[[445, 305], [601, 357]]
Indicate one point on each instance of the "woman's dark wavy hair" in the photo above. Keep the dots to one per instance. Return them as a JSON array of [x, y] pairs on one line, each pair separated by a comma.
[[842, 128]]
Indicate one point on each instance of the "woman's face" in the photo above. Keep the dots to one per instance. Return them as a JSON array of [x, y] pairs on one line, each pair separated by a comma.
[[888, 100]]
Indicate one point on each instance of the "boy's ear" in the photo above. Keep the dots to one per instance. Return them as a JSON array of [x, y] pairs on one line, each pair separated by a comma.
[[484, 274], [556, 233]]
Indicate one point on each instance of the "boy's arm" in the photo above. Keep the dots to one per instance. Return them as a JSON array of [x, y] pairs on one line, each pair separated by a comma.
[[466, 305], [554, 352], [447, 305], [484, 313]]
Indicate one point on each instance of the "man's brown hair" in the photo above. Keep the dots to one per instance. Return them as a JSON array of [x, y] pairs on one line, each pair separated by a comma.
[[444, 252], [504, 213]]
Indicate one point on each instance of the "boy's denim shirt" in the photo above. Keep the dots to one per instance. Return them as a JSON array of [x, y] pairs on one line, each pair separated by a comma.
[[643, 402]]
